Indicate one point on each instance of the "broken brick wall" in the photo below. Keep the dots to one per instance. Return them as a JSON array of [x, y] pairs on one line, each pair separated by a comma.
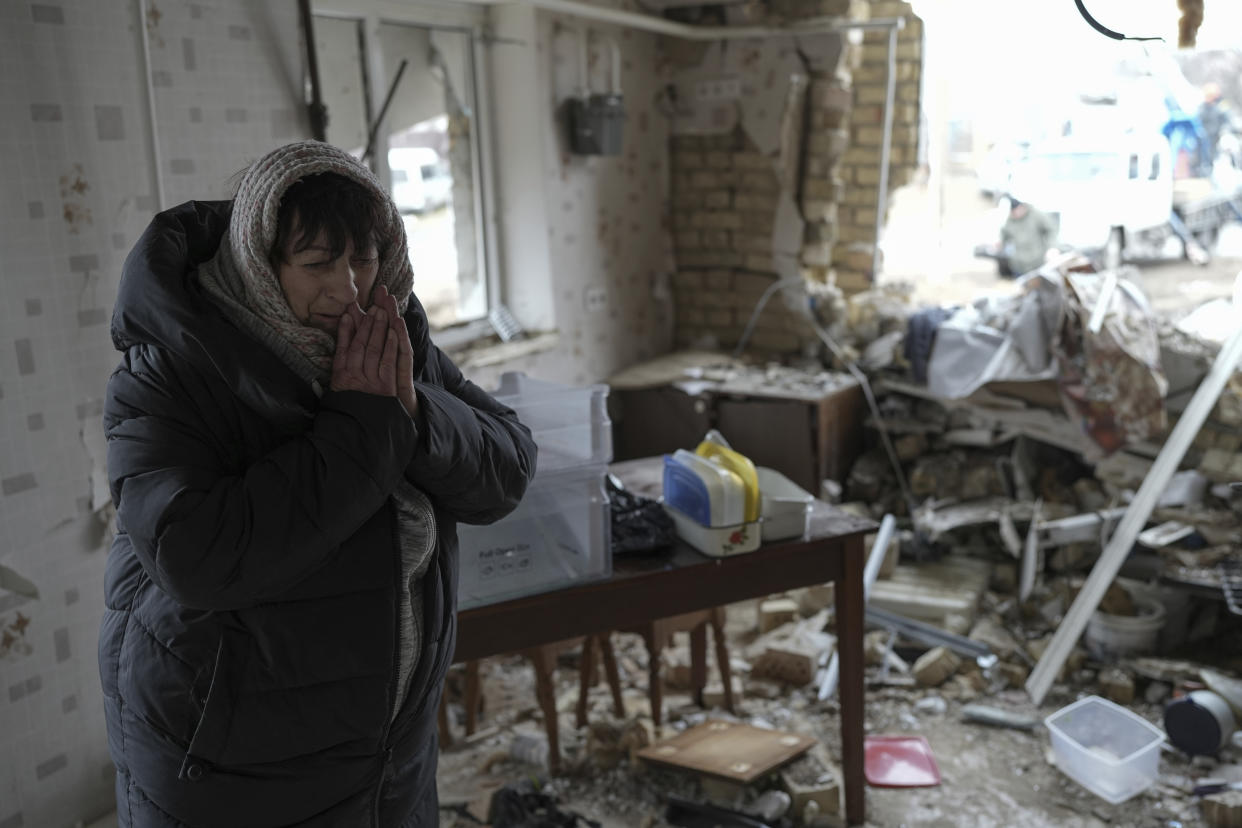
[[727, 190]]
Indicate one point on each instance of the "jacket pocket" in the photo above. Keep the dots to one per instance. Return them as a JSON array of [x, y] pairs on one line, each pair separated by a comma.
[[211, 734]]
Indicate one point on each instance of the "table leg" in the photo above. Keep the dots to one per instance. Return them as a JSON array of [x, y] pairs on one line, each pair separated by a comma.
[[472, 696], [446, 735], [610, 670], [654, 690], [586, 667], [722, 656], [849, 596], [698, 662], [544, 660]]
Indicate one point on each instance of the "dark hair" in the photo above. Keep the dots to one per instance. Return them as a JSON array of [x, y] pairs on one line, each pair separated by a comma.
[[339, 207]]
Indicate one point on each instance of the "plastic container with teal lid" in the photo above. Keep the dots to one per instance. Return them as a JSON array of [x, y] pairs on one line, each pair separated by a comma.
[[725, 494]]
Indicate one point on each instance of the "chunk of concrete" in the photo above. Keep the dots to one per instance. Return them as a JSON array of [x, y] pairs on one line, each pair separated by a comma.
[[935, 666]]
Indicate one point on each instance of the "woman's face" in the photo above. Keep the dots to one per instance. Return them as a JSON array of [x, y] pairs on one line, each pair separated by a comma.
[[319, 288]]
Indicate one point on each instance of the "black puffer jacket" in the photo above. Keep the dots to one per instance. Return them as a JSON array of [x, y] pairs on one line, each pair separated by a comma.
[[248, 648]]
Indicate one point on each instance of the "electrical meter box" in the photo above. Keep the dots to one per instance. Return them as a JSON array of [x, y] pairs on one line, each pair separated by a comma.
[[596, 123]]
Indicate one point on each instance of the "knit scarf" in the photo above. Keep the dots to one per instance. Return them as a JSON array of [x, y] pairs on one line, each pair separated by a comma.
[[242, 279]]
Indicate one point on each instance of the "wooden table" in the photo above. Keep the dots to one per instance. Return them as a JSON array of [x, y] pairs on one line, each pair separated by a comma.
[[644, 589]]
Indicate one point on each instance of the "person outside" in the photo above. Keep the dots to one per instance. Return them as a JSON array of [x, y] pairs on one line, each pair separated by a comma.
[[289, 455], [1026, 237]]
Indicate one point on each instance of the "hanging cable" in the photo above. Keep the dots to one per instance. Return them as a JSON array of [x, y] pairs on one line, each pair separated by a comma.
[[1104, 30]]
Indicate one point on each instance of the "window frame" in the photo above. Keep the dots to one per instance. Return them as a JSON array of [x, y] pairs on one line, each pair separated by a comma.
[[470, 21]]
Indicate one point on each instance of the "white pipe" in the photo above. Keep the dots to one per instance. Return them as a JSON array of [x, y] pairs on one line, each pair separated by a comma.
[[659, 25], [615, 81], [152, 127], [584, 63], [886, 143], [872, 571]]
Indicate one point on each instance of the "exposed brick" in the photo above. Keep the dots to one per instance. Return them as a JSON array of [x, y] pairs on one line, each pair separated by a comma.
[[868, 115], [829, 119], [751, 161], [687, 239], [848, 234], [687, 279], [760, 182], [687, 160], [868, 135], [716, 239], [718, 160], [691, 316], [852, 281], [756, 282], [869, 94], [906, 114], [829, 142], [720, 318], [716, 221], [718, 279], [706, 180], [867, 175], [709, 258], [780, 341], [830, 96], [908, 92], [714, 298], [910, 51], [817, 254], [751, 243], [717, 199], [762, 202], [819, 210], [890, 8], [762, 264], [819, 188]]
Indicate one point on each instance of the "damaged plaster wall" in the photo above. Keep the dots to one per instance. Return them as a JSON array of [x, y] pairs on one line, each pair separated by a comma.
[[77, 166], [603, 219], [777, 177]]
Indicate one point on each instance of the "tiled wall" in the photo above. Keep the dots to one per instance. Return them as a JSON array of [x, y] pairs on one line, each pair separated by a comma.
[[77, 172], [608, 221]]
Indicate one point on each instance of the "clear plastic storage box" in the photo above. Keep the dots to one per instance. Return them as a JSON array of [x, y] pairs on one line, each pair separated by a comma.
[[1108, 750], [569, 424], [558, 536]]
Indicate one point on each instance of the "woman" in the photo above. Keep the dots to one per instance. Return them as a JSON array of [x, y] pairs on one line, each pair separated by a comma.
[[289, 455]]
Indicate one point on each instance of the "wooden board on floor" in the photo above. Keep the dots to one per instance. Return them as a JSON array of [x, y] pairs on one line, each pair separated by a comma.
[[728, 750]]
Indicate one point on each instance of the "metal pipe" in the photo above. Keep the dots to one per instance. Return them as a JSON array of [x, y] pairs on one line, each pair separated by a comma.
[[316, 111], [658, 25], [156, 159], [879, 550], [886, 143]]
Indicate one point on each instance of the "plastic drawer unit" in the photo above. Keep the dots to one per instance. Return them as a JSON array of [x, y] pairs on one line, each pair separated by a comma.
[[569, 424], [558, 536]]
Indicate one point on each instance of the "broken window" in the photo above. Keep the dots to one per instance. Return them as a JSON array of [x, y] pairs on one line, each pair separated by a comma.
[[425, 146]]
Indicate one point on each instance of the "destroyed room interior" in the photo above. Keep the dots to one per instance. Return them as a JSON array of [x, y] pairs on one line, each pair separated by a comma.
[[621, 413]]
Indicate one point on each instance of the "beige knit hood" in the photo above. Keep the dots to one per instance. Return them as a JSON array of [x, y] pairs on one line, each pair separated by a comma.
[[243, 280]]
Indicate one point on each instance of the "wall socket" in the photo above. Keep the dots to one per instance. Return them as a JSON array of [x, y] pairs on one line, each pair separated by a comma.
[[596, 299], [718, 89]]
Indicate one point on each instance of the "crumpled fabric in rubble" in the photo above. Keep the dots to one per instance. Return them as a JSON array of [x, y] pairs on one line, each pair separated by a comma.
[[1111, 381], [997, 339]]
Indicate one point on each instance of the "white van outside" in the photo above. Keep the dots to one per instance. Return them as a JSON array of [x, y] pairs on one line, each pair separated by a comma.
[[421, 179]]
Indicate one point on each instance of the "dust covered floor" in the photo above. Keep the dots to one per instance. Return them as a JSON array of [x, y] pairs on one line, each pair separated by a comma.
[[990, 776]]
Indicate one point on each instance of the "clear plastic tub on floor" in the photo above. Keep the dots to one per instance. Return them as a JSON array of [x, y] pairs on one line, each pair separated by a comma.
[[569, 424], [557, 537], [1108, 750]]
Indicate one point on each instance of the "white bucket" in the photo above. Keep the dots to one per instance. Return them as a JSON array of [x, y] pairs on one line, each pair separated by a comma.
[[1116, 636]]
